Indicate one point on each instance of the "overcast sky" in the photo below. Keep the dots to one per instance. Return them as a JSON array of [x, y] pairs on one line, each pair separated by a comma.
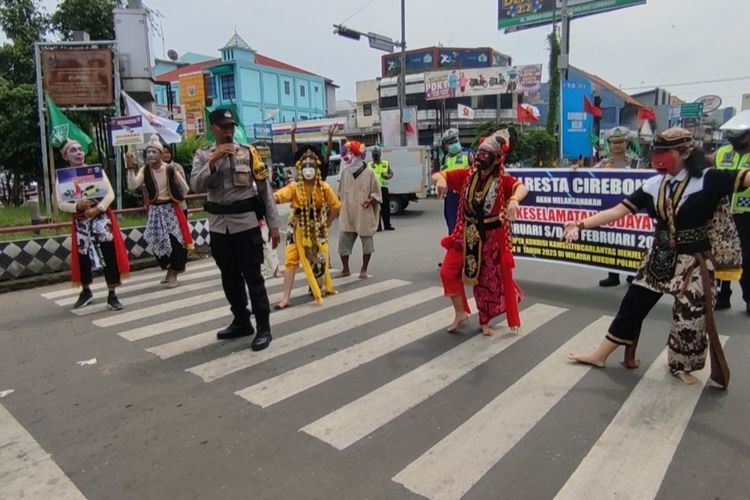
[[664, 42]]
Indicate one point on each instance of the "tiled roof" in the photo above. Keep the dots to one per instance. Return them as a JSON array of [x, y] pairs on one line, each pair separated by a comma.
[[604, 83], [267, 61], [174, 75]]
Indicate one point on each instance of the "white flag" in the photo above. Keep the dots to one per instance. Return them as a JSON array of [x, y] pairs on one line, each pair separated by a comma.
[[166, 128], [465, 112]]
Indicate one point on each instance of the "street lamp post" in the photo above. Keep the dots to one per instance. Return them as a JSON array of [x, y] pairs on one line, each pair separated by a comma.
[[386, 44]]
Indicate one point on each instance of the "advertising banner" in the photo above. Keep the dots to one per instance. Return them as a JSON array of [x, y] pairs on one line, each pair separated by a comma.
[[262, 130], [81, 183], [127, 130], [557, 196], [78, 77], [487, 81], [577, 124], [517, 14], [192, 92]]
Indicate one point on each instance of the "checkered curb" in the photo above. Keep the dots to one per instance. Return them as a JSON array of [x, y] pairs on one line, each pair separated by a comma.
[[24, 258]]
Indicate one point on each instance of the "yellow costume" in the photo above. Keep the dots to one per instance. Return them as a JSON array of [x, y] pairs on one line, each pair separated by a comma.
[[307, 236]]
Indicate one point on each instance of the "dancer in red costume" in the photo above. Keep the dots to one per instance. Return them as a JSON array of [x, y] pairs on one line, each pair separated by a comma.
[[479, 250]]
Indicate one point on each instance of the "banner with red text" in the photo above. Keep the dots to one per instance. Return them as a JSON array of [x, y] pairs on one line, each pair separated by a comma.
[[557, 196]]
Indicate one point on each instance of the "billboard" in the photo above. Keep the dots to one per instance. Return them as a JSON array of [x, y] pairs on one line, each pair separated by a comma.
[[518, 14], [561, 195], [577, 124], [488, 81], [464, 58], [417, 61], [78, 76]]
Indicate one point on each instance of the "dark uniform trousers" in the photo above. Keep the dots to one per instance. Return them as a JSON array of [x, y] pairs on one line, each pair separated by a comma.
[[385, 208], [239, 257], [177, 259], [111, 272], [742, 221]]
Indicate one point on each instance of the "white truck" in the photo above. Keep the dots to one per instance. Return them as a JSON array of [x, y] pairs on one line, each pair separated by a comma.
[[411, 174]]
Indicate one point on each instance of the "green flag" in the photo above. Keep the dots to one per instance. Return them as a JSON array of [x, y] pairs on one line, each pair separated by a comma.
[[61, 128], [240, 135]]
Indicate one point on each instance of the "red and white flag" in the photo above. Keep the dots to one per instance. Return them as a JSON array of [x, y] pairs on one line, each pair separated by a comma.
[[528, 113], [465, 112]]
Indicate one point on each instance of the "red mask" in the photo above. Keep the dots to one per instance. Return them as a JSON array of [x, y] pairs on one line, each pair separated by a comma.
[[664, 162]]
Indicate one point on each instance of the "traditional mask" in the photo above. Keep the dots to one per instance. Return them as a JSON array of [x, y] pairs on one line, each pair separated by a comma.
[[75, 155], [665, 161], [485, 159], [308, 173]]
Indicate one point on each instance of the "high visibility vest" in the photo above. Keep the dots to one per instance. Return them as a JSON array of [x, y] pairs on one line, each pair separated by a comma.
[[728, 158], [461, 160], [381, 170]]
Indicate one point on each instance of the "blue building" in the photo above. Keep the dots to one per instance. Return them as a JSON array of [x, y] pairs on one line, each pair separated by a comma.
[[262, 88]]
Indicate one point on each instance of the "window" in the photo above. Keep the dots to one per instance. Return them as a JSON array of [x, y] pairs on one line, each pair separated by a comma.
[[302, 91], [210, 85], [367, 109], [173, 97], [287, 88], [303, 117], [227, 87]]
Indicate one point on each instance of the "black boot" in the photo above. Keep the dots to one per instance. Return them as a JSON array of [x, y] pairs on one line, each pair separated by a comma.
[[722, 304], [263, 338], [237, 328], [612, 280]]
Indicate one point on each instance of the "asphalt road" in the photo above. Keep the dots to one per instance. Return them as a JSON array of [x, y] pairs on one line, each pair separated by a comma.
[[364, 397]]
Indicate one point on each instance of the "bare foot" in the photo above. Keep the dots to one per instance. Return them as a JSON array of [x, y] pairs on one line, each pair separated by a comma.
[[587, 359], [278, 274], [515, 329], [487, 331], [363, 275], [281, 305], [457, 321], [686, 378], [343, 274]]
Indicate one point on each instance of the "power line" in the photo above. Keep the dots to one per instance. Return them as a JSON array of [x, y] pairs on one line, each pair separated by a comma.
[[685, 84], [358, 11]]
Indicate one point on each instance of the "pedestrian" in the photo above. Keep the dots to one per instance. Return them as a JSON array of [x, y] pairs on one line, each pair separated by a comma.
[[95, 240], [167, 230], [239, 194], [454, 159], [479, 250], [682, 198], [383, 172], [731, 157], [618, 140], [360, 210], [314, 208]]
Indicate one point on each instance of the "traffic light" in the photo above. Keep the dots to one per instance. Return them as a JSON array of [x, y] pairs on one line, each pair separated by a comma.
[[347, 33]]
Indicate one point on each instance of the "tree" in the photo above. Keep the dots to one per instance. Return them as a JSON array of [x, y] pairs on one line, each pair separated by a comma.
[[23, 23], [92, 16], [554, 83]]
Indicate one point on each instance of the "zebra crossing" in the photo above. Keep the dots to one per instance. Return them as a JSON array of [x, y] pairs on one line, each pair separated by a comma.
[[628, 459]]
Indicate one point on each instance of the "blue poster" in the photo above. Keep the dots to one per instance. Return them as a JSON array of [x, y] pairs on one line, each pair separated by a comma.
[[81, 183], [576, 124], [561, 195]]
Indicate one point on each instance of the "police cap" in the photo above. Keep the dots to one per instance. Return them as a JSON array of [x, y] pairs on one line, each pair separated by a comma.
[[618, 134], [221, 117]]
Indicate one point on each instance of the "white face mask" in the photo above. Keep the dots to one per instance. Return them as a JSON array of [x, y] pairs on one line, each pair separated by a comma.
[[153, 155], [308, 173]]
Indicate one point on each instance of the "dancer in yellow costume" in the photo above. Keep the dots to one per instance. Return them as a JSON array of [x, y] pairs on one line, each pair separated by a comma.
[[314, 208]]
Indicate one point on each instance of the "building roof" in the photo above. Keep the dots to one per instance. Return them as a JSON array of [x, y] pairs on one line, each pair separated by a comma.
[[273, 63], [237, 42], [174, 75], [604, 83]]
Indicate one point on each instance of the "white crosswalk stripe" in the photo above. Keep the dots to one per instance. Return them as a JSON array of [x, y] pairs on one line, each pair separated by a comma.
[[451, 467], [205, 339], [192, 266], [222, 367], [641, 439], [629, 460], [126, 293], [356, 420]]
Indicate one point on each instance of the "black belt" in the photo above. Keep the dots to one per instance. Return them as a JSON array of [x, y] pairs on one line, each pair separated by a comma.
[[689, 241], [162, 202], [238, 207]]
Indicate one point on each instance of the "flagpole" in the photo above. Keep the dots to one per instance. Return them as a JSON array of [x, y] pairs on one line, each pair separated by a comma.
[[43, 130], [118, 153]]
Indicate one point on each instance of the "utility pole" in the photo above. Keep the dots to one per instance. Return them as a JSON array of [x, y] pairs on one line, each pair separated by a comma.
[[562, 65], [402, 76], [386, 44]]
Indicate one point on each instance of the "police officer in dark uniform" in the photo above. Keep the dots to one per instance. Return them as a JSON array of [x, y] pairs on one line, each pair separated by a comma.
[[239, 193]]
